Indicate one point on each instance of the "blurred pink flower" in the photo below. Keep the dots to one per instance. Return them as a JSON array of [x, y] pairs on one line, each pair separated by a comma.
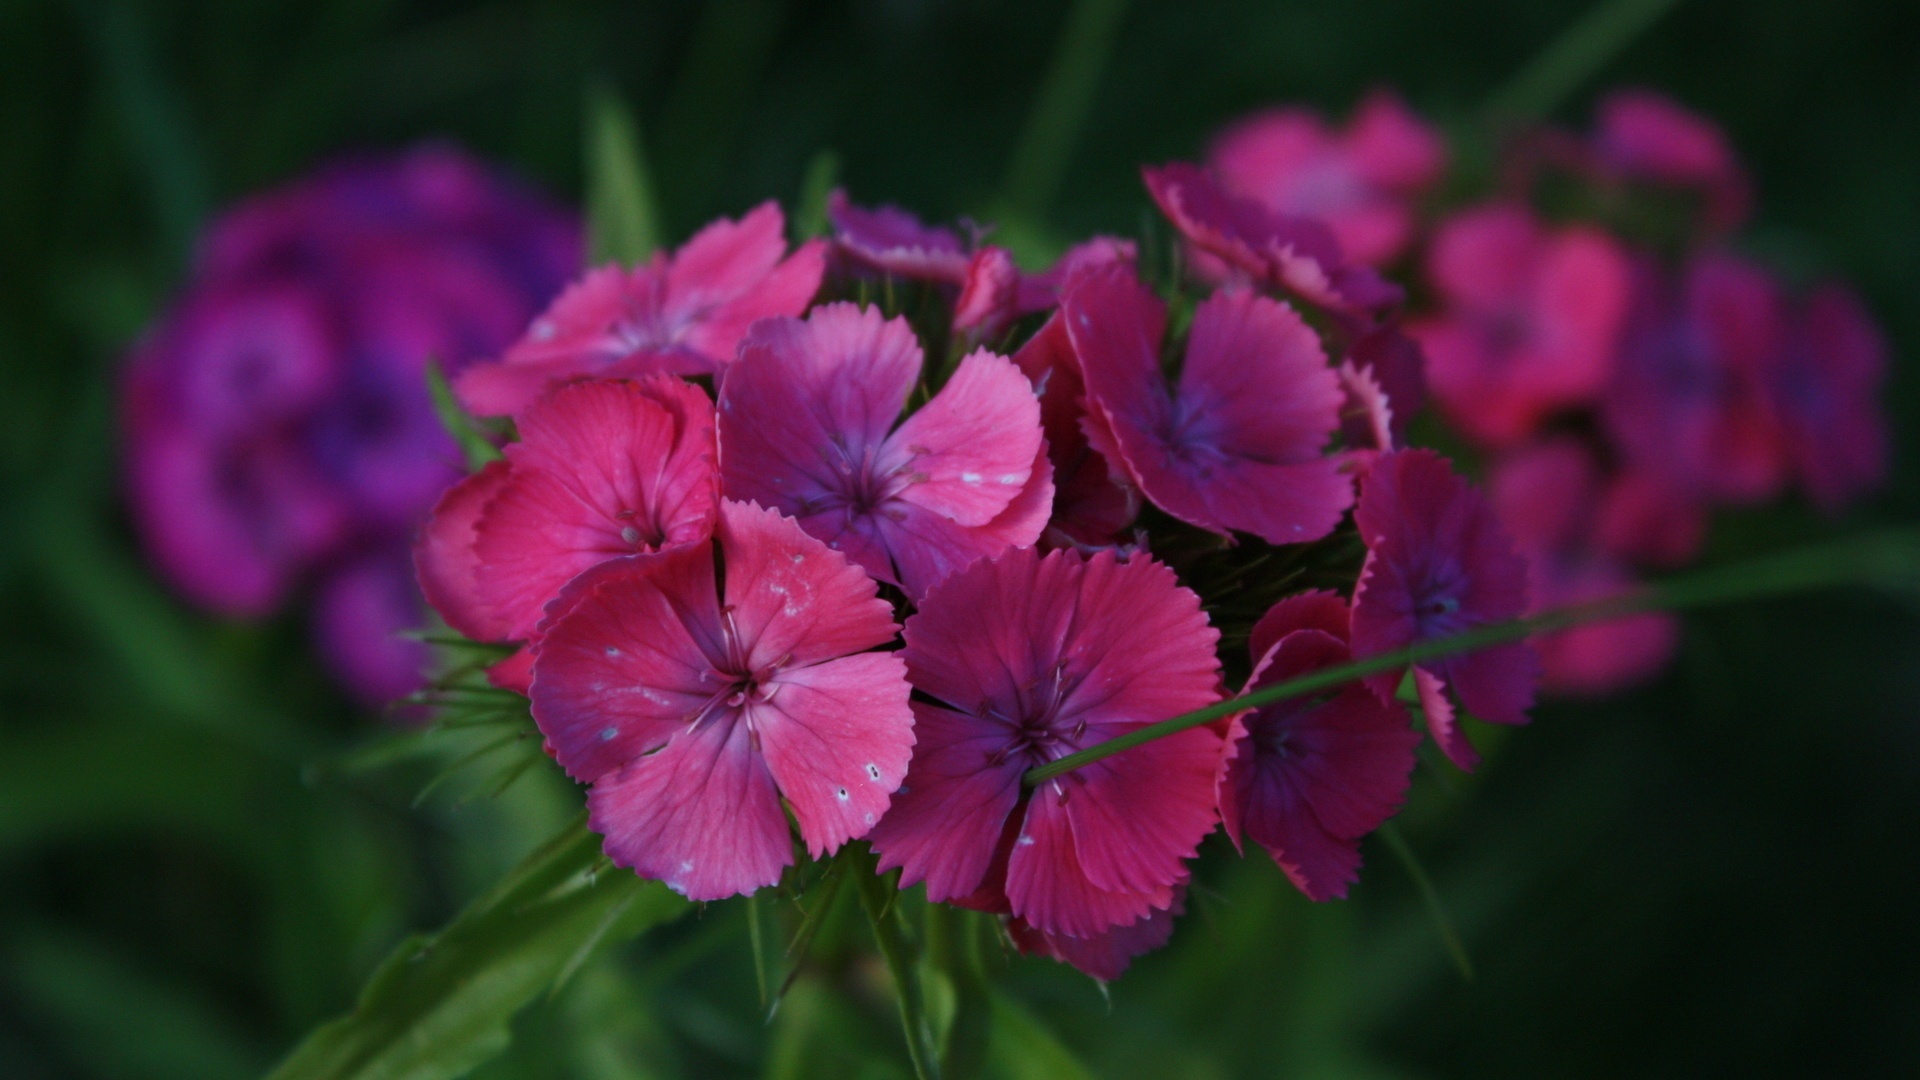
[[1361, 181], [1646, 136], [277, 426], [1826, 394]]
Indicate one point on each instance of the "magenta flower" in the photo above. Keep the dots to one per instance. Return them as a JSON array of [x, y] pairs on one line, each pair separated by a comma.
[[889, 240], [1645, 136], [277, 430], [1530, 321], [602, 469], [1269, 249], [808, 426], [1827, 395], [1549, 495], [1361, 181], [1438, 563], [1104, 956], [695, 712], [1690, 404], [1237, 444], [1307, 778], [680, 315], [1024, 659], [1091, 506]]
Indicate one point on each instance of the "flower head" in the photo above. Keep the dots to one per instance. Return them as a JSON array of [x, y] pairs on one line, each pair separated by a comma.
[[681, 315], [890, 240], [1237, 443], [1438, 563], [694, 708], [277, 428], [1643, 135], [1092, 505], [1269, 249], [1530, 323], [810, 424], [1306, 778], [1361, 181], [1027, 658], [602, 469], [1827, 395]]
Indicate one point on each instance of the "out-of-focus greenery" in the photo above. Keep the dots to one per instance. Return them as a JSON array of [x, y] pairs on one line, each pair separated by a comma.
[[1711, 876]]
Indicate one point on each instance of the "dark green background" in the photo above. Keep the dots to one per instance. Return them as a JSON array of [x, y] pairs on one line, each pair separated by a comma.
[[1712, 876]]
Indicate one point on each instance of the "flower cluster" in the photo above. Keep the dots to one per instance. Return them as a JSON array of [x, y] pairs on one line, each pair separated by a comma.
[[784, 567], [277, 429]]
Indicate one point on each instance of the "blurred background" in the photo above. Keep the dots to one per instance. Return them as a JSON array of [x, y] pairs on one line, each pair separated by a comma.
[[1712, 875]]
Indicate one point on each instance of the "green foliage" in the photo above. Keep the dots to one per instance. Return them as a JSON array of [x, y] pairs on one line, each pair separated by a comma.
[[460, 424], [441, 1005], [623, 219]]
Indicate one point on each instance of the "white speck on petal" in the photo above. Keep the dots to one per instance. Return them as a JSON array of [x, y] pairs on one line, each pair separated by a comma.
[[970, 477], [873, 770], [542, 331], [1010, 479], [903, 790], [841, 794], [1025, 839], [686, 866], [609, 734], [798, 558], [869, 819], [630, 535], [612, 651]]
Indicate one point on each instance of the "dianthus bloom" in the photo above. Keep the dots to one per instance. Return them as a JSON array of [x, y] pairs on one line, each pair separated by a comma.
[[681, 315], [1092, 506], [277, 428], [602, 469], [1645, 136], [1530, 319], [1438, 564], [807, 420], [1307, 778], [1360, 181], [1550, 495], [1237, 444], [1269, 249], [1025, 658], [696, 708], [1826, 392]]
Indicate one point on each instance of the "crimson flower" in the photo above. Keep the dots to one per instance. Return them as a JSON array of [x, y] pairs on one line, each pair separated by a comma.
[[1025, 658], [698, 688], [682, 314], [1306, 778], [1237, 443], [808, 425], [1438, 563]]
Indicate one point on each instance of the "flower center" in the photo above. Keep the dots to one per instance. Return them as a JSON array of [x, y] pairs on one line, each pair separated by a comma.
[[863, 485], [1038, 727]]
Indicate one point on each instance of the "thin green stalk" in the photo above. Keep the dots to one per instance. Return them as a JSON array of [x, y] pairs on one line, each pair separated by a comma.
[[1576, 55], [1430, 896], [623, 215], [1040, 161], [1890, 557], [877, 894]]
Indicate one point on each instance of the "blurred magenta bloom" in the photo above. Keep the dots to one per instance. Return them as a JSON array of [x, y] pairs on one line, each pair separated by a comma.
[[1827, 397], [1363, 180], [278, 434], [1641, 135]]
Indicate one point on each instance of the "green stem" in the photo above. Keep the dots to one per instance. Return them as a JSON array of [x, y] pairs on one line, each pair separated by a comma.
[[877, 895], [1040, 161], [1581, 50], [1430, 896], [1889, 556]]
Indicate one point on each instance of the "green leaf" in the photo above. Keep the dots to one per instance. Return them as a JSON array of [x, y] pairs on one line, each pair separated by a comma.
[[877, 896], [1430, 896], [810, 213], [479, 450], [1021, 1048], [440, 1005], [623, 219]]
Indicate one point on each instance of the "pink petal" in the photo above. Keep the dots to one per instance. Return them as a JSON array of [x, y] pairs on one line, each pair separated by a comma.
[[1104, 956], [1317, 609], [1048, 886], [793, 599], [893, 241], [730, 276], [701, 814], [837, 736], [1441, 723], [990, 299], [925, 548], [1392, 146], [444, 560], [1090, 506], [974, 443], [947, 817]]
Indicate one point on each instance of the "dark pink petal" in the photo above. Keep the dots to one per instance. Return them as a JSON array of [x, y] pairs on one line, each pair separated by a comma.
[[947, 817], [602, 469], [1366, 417], [1397, 365], [446, 564], [1048, 884], [972, 447], [1277, 816], [701, 814], [1392, 146], [1239, 447], [925, 547], [1316, 609], [891, 240], [1644, 517], [837, 736], [1091, 506], [1602, 657], [1645, 135], [730, 276], [1275, 250], [1104, 956], [1441, 722], [627, 663], [990, 298], [1038, 292], [792, 599], [1827, 394]]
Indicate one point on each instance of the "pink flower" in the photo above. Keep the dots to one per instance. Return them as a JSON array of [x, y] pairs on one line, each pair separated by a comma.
[[890, 240], [602, 469], [1548, 495], [1643, 135], [1269, 249], [1104, 956], [1361, 181], [1438, 564], [990, 297], [1091, 508], [807, 425], [1398, 367], [1237, 444], [680, 315], [1827, 396], [1024, 659], [1690, 404], [1307, 778], [1530, 321], [695, 712]]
